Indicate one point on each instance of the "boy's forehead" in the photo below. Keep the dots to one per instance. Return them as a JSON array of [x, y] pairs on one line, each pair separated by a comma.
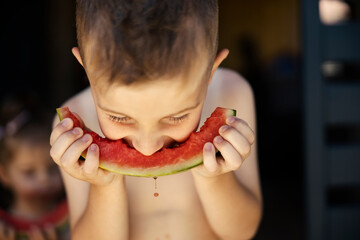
[[97, 68], [165, 96], [196, 75]]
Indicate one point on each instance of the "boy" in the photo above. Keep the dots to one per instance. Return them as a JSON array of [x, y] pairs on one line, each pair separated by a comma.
[[154, 78]]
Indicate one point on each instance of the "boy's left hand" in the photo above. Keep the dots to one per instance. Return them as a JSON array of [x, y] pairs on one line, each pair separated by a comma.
[[234, 144]]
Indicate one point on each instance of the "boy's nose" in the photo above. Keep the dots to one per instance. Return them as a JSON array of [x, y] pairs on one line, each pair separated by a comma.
[[147, 145]]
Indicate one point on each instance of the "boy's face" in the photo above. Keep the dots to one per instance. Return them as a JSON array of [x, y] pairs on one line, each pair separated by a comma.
[[151, 115], [154, 114]]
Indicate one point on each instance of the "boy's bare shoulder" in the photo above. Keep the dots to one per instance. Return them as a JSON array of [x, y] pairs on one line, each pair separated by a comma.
[[83, 104], [231, 90], [230, 83]]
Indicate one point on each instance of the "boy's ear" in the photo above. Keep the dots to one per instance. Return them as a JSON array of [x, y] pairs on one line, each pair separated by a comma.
[[218, 60], [76, 52]]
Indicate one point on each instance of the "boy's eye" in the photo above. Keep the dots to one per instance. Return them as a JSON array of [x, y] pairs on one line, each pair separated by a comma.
[[173, 120], [176, 120], [119, 119]]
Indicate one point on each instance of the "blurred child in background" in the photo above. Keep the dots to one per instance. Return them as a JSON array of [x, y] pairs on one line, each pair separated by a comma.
[[32, 195]]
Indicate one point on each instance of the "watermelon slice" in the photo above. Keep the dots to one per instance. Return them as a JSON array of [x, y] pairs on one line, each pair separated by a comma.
[[117, 156], [58, 218]]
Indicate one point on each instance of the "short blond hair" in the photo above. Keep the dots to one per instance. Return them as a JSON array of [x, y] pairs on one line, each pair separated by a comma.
[[134, 40]]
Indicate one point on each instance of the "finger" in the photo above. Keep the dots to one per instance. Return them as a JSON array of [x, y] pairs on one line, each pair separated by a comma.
[[237, 140], [105, 175], [243, 127], [70, 159], [63, 142], [36, 234], [63, 126], [210, 162], [50, 233], [231, 156], [91, 165]]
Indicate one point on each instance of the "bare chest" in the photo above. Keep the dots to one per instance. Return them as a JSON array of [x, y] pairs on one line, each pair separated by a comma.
[[176, 213]]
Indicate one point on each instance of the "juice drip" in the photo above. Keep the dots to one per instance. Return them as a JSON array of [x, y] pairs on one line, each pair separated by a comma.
[[156, 194]]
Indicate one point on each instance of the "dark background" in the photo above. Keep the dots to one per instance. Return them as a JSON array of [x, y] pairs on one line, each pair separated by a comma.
[[265, 42], [264, 38]]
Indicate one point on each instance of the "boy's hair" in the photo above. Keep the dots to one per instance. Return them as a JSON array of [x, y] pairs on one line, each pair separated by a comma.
[[137, 40]]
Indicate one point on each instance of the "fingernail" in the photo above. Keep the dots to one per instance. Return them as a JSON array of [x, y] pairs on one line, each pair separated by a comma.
[[93, 147], [85, 138], [218, 139], [66, 122], [76, 131], [208, 147], [223, 128], [230, 119]]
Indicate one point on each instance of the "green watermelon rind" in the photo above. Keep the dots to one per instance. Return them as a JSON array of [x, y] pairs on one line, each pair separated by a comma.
[[196, 160], [155, 172]]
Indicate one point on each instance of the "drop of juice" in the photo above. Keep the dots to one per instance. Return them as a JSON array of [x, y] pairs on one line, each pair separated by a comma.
[[155, 194]]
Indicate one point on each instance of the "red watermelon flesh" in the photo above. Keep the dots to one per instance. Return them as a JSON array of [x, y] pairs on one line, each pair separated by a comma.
[[117, 156]]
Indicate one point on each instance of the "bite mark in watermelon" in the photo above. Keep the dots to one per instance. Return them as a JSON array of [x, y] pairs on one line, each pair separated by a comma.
[[117, 156]]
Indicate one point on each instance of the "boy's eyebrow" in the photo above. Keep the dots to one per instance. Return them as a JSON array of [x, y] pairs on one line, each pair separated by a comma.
[[110, 111], [186, 109], [119, 113]]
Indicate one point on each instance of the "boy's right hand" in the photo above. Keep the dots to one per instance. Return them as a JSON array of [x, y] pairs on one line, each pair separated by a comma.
[[67, 145]]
